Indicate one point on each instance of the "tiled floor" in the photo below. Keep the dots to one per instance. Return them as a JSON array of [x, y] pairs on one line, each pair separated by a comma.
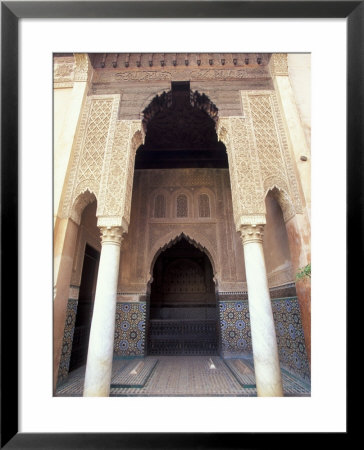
[[183, 376]]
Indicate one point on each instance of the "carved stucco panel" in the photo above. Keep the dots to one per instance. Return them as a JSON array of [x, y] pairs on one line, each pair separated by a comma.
[[63, 71], [83, 68], [185, 178], [93, 138], [271, 144], [117, 177], [245, 178], [291, 173], [279, 64]]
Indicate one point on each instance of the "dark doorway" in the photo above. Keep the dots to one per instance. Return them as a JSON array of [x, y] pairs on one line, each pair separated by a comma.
[[84, 308], [182, 313]]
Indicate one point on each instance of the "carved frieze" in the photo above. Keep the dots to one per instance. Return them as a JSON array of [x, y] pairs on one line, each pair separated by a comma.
[[185, 178], [108, 76]]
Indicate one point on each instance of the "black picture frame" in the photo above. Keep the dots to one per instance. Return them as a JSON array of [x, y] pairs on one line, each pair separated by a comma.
[[11, 12]]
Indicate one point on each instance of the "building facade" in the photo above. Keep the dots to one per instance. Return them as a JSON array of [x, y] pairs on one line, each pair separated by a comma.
[[181, 211]]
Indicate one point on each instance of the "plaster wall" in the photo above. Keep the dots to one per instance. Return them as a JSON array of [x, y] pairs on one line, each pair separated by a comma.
[[275, 244], [299, 70], [61, 101]]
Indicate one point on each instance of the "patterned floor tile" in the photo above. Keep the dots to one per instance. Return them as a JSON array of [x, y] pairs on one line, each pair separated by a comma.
[[188, 376], [134, 374]]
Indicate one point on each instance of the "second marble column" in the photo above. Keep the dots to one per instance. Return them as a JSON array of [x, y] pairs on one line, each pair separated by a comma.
[[265, 349]]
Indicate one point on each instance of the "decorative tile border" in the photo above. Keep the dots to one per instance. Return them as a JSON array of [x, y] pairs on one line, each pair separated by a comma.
[[130, 329], [67, 339], [286, 290]]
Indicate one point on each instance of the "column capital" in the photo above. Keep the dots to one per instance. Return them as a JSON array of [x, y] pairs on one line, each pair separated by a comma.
[[251, 233], [111, 235]]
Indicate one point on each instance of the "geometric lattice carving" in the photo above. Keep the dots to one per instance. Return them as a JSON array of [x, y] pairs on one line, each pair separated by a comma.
[[266, 138], [92, 141], [203, 205], [259, 158], [274, 157], [182, 206], [95, 140], [160, 206]]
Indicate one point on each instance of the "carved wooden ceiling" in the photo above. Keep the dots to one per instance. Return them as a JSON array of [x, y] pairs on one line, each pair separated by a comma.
[[158, 60], [180, 131]]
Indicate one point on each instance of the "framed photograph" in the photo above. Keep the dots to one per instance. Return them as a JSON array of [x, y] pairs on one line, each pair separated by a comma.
[[270, 95]]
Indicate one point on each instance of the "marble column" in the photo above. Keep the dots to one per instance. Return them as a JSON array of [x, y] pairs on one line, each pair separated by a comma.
[[101, 343], [264, 342]]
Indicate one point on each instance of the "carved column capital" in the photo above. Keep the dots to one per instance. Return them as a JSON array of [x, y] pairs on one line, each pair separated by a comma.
[[278, 64], [252, 233], [111, 235]]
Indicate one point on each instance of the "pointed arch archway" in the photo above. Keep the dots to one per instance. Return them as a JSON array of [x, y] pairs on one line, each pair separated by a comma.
[[195, 238], [182, 308]]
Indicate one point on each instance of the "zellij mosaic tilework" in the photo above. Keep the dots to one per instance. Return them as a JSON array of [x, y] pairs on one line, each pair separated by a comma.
[[290, 338], [236, 334], [130, 329], [67, 339]]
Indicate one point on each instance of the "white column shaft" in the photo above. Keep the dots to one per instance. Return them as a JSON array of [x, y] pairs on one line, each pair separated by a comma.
[[265, 350], [101, 343]]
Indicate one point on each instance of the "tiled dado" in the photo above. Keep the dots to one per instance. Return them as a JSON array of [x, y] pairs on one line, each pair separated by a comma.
[[234, 327], [290, 339], [67, 339], [236, 333], [130, 329]]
